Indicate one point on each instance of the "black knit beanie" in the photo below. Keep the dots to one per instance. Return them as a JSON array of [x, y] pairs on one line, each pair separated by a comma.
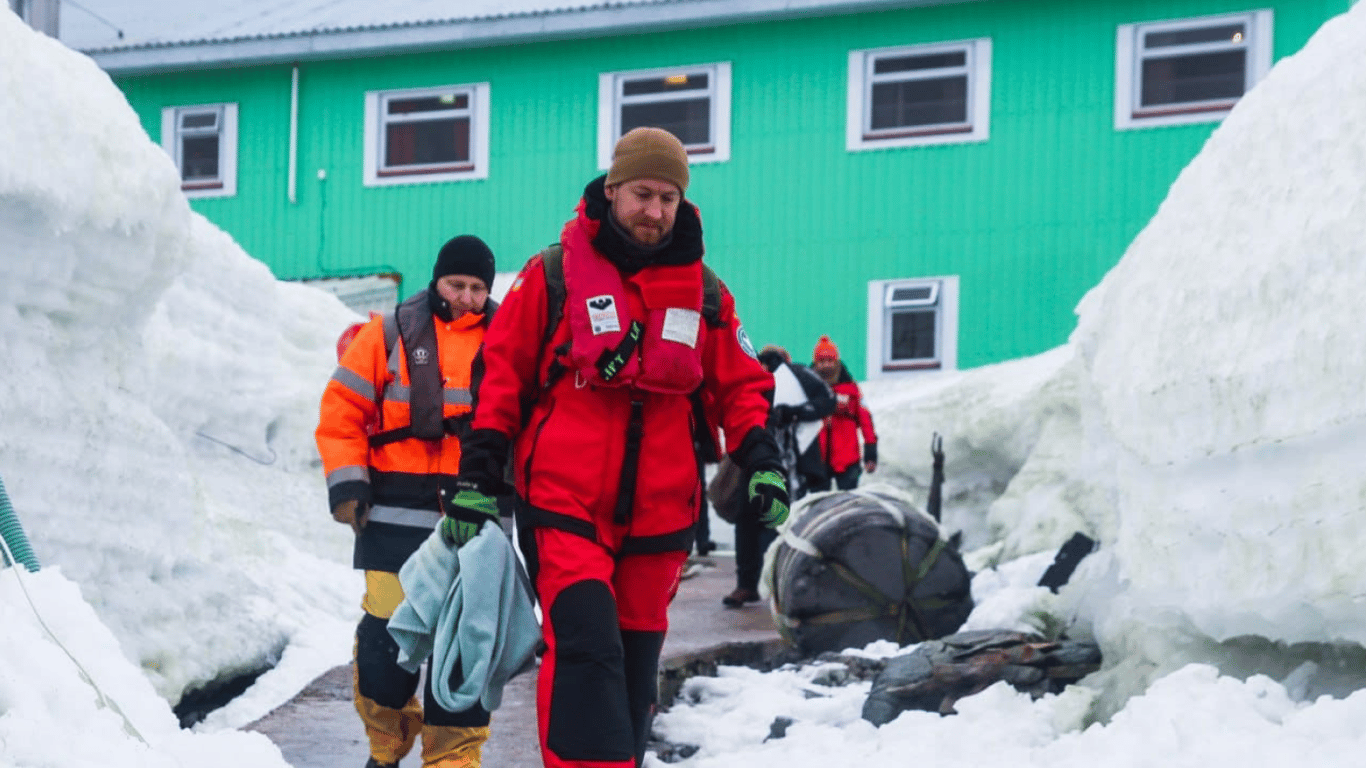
[[465, 255]]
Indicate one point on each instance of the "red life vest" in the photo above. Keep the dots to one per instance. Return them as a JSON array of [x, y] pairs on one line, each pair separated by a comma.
[[610, 346]]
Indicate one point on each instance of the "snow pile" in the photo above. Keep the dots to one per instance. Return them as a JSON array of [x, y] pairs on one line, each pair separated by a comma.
[[1205, 419], [159, 392], [119, 719]]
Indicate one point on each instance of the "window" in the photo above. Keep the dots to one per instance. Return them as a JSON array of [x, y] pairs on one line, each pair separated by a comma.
[[427, 134], [925, 94], [1188, 71], [692, 103], [912, 325], [202, 140]]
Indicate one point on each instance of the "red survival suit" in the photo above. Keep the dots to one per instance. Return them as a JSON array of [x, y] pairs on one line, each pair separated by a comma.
[[607, 544], [839, 437]]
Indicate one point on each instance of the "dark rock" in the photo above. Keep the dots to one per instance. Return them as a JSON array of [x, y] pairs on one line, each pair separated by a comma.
[[938, 673]]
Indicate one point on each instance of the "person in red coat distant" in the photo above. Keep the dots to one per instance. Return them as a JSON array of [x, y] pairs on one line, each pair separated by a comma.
[[839, 439]]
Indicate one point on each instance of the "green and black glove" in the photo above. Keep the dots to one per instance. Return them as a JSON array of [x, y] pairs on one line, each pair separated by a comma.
[[766, 488], [768, 497], [467, 508]]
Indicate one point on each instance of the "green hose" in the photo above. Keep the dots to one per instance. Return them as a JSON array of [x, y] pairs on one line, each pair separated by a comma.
[[16, 543]]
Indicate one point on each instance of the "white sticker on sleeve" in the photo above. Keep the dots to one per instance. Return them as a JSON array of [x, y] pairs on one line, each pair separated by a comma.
[[681, 325]]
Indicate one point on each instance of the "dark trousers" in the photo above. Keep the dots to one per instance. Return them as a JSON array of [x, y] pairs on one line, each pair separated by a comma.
[[702, 540], [751, 539], [844, 481]]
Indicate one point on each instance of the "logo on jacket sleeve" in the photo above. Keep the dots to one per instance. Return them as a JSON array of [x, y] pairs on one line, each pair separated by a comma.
[[743, 339], [602, 314]]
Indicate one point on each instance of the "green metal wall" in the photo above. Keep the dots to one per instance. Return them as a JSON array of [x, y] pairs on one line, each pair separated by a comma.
[[795, 224]]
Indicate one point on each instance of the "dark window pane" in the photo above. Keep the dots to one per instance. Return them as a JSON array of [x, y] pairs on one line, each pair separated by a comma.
[[920, 62], [428, 142], [1224, 33], [916, 293], [199, 158], [913, 335], [1185, 79], [666, 84], [689, 120], [429, 103], [920, 102], [199, 120]]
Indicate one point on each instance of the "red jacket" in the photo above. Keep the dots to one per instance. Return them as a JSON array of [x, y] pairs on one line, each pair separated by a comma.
[[839, 438], [569, 455]]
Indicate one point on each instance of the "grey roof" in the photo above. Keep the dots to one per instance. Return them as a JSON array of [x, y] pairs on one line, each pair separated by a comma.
[[160, 35]]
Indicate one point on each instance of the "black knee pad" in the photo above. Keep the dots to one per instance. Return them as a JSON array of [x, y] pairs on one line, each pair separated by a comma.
[[590, 717], [378, 675], [432, 713], [642, 682]]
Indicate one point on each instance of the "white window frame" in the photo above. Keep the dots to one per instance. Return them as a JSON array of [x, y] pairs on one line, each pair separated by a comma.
[[611, 100], [944, 295], [376, 120], [226, 184], [1129, 69], [859, 135]]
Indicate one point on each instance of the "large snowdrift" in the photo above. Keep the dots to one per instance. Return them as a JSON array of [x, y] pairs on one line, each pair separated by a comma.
[[147, 358], [1204, 422]]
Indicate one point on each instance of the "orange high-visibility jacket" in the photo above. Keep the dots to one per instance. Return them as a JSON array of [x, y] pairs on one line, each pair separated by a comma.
[[370, 392]]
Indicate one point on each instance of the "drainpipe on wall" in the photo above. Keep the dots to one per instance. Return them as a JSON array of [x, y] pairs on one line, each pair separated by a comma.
[[294, 136]]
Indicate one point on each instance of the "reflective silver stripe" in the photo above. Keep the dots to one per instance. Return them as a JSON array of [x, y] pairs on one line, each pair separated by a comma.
[[345, 474], [416, 518], [398, 393], [354, 382], [394, 358]]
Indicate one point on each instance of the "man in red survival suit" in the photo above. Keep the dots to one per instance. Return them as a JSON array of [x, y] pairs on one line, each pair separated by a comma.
[[600, 406]]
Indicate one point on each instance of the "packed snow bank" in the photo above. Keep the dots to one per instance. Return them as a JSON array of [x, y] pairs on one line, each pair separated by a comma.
[[119, 720], [160, 389], [1204, 422]]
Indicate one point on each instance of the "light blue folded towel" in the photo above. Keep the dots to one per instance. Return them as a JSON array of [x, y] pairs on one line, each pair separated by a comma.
[[469, 609]]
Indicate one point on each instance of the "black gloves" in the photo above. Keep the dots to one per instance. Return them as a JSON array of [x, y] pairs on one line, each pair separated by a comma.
[[483, 460]]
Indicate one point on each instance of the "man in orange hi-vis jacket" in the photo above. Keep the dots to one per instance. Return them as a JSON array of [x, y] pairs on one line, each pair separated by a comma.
[[388, 436]]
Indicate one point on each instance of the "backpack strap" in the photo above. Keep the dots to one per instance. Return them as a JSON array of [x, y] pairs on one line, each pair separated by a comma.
[[552, 261], [711, 297]]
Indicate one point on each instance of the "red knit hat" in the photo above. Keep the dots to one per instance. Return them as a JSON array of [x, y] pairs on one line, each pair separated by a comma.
[[826, 350]]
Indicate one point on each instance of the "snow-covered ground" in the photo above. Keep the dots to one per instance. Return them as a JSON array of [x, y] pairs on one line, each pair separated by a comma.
[[1203, 422]]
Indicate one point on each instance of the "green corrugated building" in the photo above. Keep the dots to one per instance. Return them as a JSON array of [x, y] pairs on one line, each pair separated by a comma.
[[932, 184]]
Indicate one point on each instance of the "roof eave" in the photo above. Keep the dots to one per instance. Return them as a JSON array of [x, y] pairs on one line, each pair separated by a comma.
[[473, 33]]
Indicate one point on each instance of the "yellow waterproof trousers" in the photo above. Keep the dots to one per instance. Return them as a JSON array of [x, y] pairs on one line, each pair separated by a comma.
[[386, 693]]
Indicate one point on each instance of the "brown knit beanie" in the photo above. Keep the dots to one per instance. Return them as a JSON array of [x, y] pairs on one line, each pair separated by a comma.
[[649, 153]]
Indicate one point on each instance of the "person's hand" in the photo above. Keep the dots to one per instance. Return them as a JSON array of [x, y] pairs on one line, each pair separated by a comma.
[[467, 508], [870, 467], [768, 497], [352, 513]]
